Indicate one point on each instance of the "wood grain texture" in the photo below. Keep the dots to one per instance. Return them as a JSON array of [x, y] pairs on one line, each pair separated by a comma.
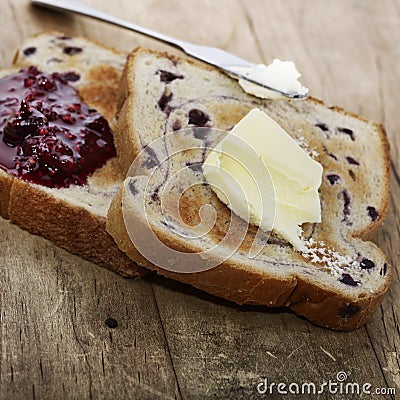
[[348, 52], [55, 343], [173, 341]]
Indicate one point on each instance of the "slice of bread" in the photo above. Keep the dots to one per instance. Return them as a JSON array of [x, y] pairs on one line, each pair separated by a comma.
[[341, 281], [75, 217]]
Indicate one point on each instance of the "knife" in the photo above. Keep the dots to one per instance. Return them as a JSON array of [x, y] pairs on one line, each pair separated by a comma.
[[219, 58]]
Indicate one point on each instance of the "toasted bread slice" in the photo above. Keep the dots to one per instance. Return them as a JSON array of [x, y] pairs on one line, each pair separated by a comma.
[[75, 217], [342, 280]]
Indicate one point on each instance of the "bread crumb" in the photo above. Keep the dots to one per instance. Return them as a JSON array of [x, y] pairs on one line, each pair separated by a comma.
[[302, 142], [319, 253]]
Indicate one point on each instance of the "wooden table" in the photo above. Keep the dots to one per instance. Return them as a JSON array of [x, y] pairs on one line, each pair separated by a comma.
[[173, 341]]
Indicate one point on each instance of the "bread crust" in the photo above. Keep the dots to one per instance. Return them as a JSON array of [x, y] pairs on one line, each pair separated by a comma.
[[126, 147], [246, 286], [5, 189], [72, 228]]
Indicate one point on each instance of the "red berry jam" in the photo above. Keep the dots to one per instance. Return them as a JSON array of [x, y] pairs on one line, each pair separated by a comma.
[[47, 134]]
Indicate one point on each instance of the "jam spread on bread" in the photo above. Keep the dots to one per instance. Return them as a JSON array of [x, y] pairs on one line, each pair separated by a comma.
[[48, 135]]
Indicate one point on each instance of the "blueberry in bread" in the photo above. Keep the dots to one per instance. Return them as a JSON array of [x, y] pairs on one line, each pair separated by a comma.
[[58, 170], [341, 279]]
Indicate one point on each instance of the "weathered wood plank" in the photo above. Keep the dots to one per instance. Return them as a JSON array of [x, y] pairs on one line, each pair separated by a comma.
[[55, 342], [352, 47], [223, 351], [235, 346], [204, 22], [173, 341], [384, 329]]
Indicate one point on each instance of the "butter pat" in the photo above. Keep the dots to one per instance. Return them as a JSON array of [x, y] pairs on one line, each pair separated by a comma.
[[265, 177], [281, 75]]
